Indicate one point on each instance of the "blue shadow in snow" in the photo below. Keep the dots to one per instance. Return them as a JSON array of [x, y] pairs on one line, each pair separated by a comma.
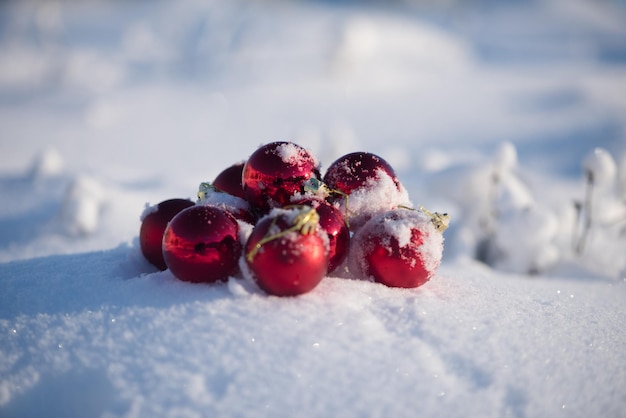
[[115, 278]]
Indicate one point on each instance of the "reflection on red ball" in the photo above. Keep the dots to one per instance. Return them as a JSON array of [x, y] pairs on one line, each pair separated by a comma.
[[355, 170], [201, 244], [229, 180], [399, 248], [333, 223], [275, 172], [289, 265], [153, 226]]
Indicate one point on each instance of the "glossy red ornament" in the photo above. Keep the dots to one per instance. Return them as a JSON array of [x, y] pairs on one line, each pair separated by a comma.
[[229, 180], [355, 170], [399, 248], [275, 172], [287, 252], [201, 244], [153, 224], [333, 223]]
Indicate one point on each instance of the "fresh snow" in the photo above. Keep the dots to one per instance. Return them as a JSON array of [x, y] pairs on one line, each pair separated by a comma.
[[88, 333], [509, 116]]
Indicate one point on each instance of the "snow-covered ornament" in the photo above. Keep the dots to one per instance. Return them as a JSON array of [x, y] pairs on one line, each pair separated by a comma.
[[356, 170], [210, 195], [275, 172], [201, 244], [287, 251], [400, 247], [365, 185], [154, 220]]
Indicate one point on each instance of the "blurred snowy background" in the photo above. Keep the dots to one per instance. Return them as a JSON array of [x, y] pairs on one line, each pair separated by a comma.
[[509, 115], [486, 109]]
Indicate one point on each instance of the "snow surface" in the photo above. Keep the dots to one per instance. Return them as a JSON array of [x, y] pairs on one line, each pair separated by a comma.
[[494, 112]]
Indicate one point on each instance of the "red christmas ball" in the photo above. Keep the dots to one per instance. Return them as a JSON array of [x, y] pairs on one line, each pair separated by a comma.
[[399, 248], [275, 172], [333, 223], [287, 252], [357, 170], [229, 180], [363, 185], [153, 224], [201, 244]]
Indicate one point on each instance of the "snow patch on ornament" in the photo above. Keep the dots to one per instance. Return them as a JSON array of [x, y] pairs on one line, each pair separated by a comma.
[[209, 196], [293, 154], [379, 194], [346, 167], [429, 247]]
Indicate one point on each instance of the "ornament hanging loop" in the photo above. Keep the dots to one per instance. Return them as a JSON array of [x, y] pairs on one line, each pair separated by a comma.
[[305, 222], [316, 186], [440, 220]]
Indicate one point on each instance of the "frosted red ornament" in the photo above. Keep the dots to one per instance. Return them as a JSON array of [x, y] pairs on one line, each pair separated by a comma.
[[399, 248], [364, 185], [287, 252], [356, 170], [201, 244], [153, 223], [229, 180], [275, 172], [333, 223]]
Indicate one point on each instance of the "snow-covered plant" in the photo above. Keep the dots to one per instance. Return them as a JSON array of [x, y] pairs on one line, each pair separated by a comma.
[[504, 224], [599, 237]]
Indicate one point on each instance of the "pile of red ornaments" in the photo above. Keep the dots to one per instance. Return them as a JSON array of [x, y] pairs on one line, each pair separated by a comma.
[[276, 220]]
